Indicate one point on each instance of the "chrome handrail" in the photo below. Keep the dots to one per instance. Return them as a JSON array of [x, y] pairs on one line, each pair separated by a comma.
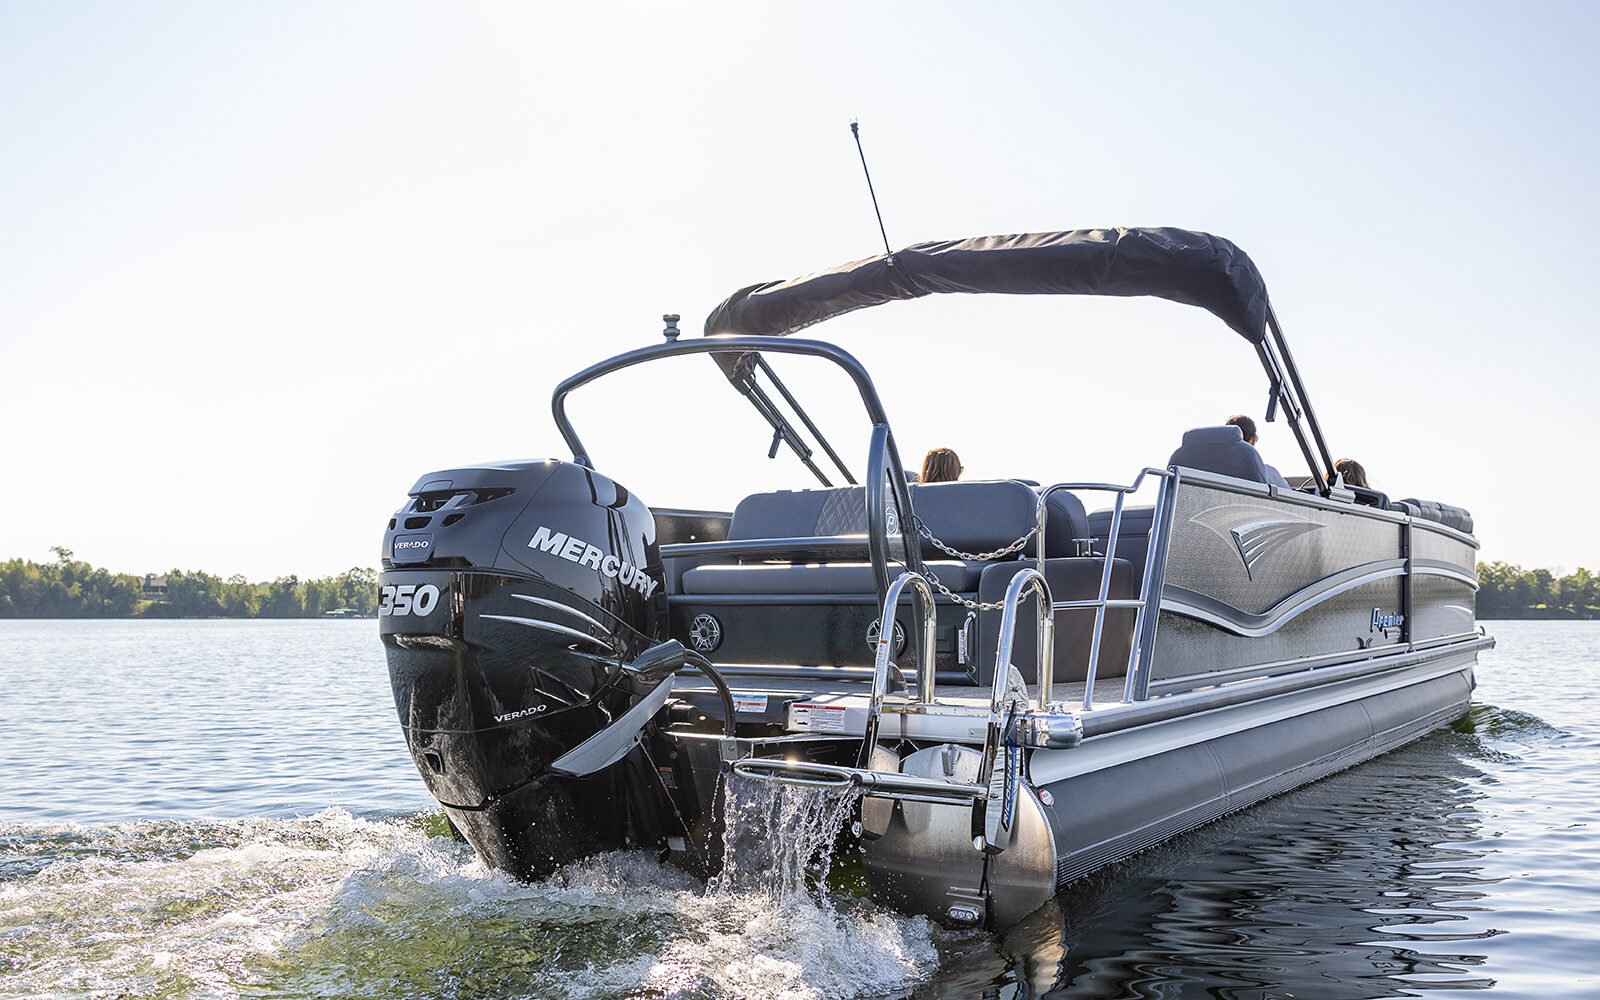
[[1136, 680], [1044, 646], [1136, 655], [883, 661]]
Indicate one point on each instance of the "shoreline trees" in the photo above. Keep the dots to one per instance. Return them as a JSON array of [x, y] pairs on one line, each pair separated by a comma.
[[1506, 591], [71, 588]]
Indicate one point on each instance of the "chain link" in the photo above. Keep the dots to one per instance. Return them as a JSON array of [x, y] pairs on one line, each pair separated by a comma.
[[1016, 546], [933, 578]]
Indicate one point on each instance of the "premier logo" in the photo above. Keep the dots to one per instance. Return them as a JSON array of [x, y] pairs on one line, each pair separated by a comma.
[[576, 550], [1385, 622]]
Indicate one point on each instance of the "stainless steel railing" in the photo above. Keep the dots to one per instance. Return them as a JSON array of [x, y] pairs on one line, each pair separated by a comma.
[[1150, 584]]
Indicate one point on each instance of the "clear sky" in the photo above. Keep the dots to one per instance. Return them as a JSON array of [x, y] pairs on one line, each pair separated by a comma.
[[264, 265]]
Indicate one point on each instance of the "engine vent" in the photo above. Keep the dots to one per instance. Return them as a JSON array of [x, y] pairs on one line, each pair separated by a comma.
[[427, 503]]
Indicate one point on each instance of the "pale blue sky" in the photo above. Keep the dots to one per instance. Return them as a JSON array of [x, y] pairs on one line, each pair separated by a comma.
[[261, 266]]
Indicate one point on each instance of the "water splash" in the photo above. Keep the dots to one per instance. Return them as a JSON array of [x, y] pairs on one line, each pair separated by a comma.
[[335, 905], [779, 838]]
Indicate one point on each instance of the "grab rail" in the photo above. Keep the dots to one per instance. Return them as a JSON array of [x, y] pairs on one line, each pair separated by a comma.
[[926, 638], [1144, 636], [1044, 646]]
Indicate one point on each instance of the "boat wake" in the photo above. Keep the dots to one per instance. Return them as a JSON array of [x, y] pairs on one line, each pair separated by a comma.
[[334, 904]]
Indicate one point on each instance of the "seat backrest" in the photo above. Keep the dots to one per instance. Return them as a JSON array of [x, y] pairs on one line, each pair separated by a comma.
[[972, 516], [1065, 523], [1451, 517], [790, 513], [1221, 450], [977, 515]]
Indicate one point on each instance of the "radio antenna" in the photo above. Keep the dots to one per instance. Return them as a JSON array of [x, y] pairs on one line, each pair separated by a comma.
[[855, 130]]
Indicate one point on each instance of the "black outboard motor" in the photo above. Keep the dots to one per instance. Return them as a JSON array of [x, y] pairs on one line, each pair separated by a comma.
[[510, 597]]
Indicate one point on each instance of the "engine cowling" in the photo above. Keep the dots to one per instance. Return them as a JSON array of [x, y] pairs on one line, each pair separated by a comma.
[[510, 597]]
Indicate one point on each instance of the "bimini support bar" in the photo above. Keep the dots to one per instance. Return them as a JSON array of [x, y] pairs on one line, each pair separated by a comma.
[[1325, 475], [783, 432], [884, 661], [1289, 390], [805, 418]]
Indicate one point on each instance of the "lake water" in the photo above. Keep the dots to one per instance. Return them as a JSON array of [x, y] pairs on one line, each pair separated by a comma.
[[226, 810]]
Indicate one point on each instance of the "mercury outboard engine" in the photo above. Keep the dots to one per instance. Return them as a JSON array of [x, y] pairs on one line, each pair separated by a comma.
[[510, 598]]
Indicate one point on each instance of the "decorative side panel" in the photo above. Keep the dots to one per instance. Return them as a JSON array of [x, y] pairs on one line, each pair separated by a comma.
[[1253, 580], [1444, 592]]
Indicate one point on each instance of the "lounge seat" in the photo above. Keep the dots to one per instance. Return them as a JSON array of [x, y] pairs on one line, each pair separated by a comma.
[[1222, 450], [973, 516], [816, 578], [1451, 517]]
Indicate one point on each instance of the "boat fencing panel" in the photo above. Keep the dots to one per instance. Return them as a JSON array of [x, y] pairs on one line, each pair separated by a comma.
[[1444, 584], [1258, 583]]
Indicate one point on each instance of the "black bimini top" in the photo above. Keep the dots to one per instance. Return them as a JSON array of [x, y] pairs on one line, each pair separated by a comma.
[[1194, 268]]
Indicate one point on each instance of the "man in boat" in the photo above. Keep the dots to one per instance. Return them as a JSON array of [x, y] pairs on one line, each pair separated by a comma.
[[1247, 427]]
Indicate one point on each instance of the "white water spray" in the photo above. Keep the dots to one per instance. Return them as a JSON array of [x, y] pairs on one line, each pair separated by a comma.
[[778, 834]]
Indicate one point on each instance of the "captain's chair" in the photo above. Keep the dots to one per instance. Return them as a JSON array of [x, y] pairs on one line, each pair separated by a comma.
[[1221, 450]]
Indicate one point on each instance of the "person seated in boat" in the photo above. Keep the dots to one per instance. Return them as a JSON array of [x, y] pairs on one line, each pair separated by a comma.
[[1247, 427], [1352, 473], [941, 465]]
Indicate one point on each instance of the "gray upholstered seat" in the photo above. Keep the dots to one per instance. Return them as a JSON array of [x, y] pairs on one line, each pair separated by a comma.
[[972, 516], [816, 578], [1222, 450], [1451, 517]]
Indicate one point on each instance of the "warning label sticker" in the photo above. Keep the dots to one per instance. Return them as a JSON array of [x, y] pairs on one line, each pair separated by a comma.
[[756, 703], [817, 718]]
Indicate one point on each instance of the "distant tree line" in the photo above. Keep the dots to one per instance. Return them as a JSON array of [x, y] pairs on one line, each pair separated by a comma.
[[71, 588], [1506, 591]]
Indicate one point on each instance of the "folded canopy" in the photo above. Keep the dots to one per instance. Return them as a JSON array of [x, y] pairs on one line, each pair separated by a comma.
[[1194, 268]]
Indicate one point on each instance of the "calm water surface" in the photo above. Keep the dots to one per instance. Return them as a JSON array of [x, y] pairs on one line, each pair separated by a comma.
[[226, 809]]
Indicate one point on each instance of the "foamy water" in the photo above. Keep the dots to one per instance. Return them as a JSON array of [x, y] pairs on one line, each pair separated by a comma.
[[333, 905]]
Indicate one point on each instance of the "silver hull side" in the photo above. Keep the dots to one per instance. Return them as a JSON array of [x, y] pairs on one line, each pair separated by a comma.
[[1126, 790]]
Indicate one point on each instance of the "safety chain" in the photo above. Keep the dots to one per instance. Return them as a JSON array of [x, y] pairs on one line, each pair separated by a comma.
[[1016, 546]]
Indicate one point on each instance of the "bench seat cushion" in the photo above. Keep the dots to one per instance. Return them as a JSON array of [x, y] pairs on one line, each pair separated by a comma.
[[816, 578], [970, 516]]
